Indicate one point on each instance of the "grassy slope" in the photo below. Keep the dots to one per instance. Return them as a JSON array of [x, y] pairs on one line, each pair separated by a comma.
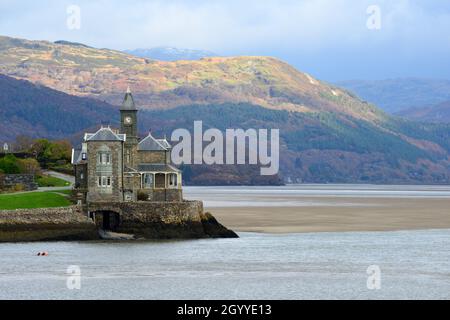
[[48, 181], [32, 200]]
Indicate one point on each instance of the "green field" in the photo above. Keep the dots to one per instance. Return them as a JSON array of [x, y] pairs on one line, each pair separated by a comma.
[[32, 200], [48, 181]]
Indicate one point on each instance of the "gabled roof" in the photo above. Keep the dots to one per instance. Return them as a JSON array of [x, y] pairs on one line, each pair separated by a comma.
[[104, 134], [158, 167], [149, 143], [128, 101], [164, 143]]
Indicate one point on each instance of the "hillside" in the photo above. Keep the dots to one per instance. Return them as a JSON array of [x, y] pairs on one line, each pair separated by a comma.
[[395, 95], [439, 113], [327, 134], [326, 148], [105, 74], [38, 111]]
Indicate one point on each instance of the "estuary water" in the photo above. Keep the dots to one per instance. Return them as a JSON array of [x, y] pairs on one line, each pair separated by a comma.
[[413, 264]]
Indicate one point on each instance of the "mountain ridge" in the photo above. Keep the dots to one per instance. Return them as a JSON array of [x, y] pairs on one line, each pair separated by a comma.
[[438, 113], [105, 75], [398, 94], [171, 53]]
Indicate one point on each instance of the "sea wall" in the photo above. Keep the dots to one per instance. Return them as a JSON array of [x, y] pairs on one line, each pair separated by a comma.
[[159, 220], [69, 223], [143, 219]]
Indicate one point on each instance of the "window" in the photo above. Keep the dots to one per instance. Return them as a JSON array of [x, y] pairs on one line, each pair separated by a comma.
[[148, 181], [81, 176], [127, 156], [104, 182], [104, 158], [173, 181], [83, 156]]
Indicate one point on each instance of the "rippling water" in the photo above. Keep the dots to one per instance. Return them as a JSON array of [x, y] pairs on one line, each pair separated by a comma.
[[414, 265]]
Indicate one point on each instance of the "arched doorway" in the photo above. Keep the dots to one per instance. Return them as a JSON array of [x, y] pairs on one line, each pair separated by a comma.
[[107, 220]]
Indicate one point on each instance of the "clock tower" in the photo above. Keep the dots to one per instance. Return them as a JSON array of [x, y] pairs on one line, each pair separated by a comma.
[[128, 125]]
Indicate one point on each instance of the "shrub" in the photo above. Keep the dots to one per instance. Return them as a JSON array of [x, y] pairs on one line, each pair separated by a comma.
[[142, 196], [18, 187], [2, 176], [9, 164], [30, 166]]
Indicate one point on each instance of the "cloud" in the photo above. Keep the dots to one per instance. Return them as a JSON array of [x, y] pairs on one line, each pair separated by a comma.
[[309, 30]]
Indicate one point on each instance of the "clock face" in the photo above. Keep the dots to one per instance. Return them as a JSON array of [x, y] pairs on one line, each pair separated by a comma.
[[128, 120]]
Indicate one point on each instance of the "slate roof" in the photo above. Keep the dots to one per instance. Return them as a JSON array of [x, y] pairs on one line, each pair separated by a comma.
[[104, 134], [128, 101], [76, 156], [164, 143], [160, 167], [149, 143]]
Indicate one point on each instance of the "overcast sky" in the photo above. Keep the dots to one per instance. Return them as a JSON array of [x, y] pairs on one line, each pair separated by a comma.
[[327, 38]]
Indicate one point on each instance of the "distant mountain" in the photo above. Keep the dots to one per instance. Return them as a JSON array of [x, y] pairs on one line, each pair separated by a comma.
[[439, 113], [395, 95], [327, 133], [171, 54]]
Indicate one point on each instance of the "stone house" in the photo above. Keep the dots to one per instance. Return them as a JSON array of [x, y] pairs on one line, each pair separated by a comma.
[[117, 166]]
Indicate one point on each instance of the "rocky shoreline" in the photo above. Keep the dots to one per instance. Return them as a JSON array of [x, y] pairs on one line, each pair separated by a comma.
[[141, 220]]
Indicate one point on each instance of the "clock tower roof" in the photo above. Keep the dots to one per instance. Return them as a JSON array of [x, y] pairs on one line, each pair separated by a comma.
[[128, 101]]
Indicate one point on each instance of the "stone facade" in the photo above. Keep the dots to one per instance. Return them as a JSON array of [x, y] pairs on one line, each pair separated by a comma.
[[152, 157], [97, 191], [25, 180]]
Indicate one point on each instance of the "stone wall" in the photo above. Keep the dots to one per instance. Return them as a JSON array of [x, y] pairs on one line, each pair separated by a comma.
[[171, 195], [26, 180], [162, 220], [152, 156], [69, 223], [143, 219], [80, 171]]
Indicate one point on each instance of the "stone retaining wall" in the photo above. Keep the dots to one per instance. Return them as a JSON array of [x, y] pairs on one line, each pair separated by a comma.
[[161, 220], [69, 223], [144, 219], [26, 180]]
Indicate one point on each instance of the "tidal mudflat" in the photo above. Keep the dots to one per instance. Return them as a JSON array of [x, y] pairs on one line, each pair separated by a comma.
[[330, 208]]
